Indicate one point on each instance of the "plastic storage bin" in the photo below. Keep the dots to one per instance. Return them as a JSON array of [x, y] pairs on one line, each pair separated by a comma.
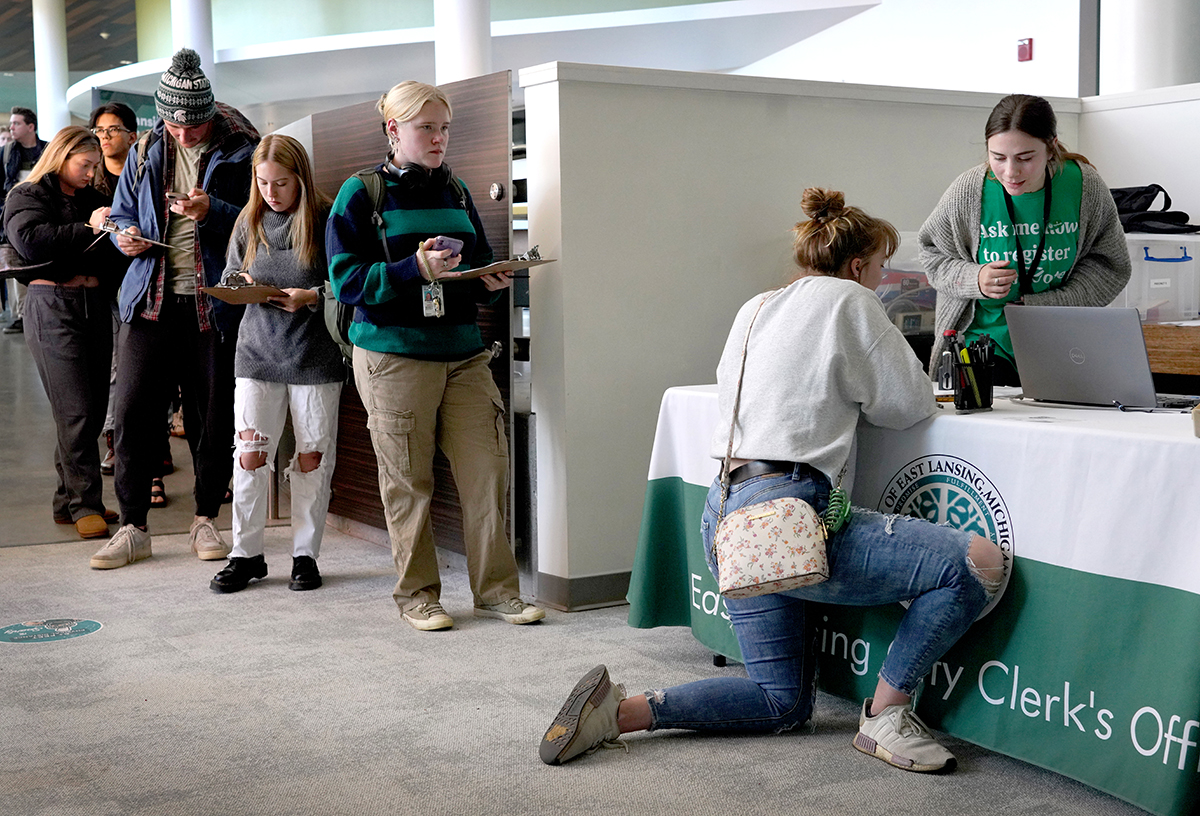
[[1164, 285]]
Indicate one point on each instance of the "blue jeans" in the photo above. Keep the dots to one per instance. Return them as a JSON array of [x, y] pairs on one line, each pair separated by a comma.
[[873, 560]]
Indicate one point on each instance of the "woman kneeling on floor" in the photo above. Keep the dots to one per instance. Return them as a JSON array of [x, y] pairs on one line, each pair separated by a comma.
[[822, 353], [285, 356]]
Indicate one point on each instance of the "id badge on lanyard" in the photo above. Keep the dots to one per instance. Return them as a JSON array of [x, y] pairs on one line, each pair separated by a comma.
[[432, 299]]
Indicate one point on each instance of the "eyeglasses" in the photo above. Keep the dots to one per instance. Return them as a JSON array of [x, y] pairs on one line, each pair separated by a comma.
[[109, 132]]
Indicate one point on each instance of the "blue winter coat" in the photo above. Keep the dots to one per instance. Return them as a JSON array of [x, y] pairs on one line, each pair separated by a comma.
[[139, 202]]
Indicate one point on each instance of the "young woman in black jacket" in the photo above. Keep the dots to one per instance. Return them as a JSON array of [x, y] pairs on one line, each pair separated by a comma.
[[53, 219]]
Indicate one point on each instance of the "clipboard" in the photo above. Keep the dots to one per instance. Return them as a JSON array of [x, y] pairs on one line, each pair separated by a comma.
[[110, 227], [239, 295], [511, 265]]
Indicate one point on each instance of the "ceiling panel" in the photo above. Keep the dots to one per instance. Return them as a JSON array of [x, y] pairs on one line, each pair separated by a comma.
[[87, 20]]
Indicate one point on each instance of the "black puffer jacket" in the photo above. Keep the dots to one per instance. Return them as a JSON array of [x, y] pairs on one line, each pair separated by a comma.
[[47, 226]]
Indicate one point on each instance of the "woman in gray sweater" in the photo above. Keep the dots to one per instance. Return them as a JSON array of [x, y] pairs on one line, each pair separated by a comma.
[[285, 358], [1034, 225], [820, 354]]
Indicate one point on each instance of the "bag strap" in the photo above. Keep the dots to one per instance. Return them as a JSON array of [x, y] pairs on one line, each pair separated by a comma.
[[838, 509], [374, 184], [737, 401]]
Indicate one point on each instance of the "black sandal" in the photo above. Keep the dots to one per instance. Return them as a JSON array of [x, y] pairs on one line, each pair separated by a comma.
[[158, 493]]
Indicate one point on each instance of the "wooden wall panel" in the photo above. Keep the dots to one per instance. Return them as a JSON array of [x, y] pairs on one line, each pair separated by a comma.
[[351, 138]]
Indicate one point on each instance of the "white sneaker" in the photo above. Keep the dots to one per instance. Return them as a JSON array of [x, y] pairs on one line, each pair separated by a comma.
[[514, 610], [206, 540], [898, 737], [587, 721], [128, 545]]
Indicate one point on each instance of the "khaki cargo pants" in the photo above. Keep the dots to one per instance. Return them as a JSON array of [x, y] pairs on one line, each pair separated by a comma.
[[413, 406]]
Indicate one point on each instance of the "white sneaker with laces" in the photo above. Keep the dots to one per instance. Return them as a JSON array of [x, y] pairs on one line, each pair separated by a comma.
[[898, 737], [128, 545], [587, 720], [514, 610], [206, 540]]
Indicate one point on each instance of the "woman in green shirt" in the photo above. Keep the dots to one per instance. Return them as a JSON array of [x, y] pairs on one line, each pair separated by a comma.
[[1033, 225]]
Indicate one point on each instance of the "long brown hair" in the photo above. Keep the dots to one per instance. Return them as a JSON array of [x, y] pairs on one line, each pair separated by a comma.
[[307, 240], [65, 144], [836, 234], [1034, 117]]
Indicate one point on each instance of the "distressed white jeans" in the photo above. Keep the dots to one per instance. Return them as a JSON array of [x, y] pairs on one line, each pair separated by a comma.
[[262, 407]]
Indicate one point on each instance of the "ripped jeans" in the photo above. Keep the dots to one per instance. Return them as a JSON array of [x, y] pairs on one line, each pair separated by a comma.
[[874, 559], [262, 407]]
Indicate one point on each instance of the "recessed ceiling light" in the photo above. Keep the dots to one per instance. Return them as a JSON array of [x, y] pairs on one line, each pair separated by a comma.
[[104, 35], [126, 62]]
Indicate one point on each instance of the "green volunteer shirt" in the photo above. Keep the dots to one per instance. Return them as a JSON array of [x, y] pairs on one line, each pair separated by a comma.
[[997, 242]]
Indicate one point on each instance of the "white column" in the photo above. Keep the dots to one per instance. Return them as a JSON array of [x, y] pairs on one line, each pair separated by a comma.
[[50, 66], [1148, 44], [462, 39], [191, 27]]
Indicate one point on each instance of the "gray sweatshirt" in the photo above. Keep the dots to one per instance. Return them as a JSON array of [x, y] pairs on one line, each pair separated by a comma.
[[274, 345], [822, 352]]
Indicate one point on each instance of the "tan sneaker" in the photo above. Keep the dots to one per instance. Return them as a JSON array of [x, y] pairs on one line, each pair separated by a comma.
[[514, 610], [128, 545], [428, 617], [206, 540], [587, 720]]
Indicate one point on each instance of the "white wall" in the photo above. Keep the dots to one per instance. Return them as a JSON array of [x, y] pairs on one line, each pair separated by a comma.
[[968, 45], [1148, 44], [668, 199], [1148, 137]]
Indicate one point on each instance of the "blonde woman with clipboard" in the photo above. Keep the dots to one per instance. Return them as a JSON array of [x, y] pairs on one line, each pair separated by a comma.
[[285, 359], [397, 236]]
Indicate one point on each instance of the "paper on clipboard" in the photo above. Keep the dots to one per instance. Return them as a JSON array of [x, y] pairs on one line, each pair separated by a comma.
[[243, 294], [512, 265]]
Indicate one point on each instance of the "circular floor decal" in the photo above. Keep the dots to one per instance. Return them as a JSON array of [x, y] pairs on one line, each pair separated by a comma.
[[47, 631]]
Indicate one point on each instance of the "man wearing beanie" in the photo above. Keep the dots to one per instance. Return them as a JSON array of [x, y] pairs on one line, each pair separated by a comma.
[[183, 186]]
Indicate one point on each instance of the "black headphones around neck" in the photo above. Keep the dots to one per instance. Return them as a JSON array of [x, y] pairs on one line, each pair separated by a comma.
[[418, 177]]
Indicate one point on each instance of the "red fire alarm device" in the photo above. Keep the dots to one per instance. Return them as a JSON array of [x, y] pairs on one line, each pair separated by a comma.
[[1025, 50]]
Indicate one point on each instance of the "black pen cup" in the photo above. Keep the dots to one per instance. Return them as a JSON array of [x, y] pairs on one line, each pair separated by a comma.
[[972, 387]]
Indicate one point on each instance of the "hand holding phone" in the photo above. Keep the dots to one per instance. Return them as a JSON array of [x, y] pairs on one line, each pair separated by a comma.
[[453, 244]]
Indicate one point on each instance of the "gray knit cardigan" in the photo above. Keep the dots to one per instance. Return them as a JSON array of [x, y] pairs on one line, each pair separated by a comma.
[[949, 244]]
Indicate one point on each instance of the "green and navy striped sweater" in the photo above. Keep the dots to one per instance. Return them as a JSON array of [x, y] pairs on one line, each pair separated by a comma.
[[389, 315]]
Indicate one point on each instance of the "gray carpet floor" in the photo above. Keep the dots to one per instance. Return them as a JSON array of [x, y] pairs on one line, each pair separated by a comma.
[[276, 702]]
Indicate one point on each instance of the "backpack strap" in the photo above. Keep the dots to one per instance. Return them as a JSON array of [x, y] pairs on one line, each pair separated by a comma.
[[144, 143], [373, 182]]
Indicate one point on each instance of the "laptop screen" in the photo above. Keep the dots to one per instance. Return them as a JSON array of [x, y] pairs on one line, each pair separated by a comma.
[[1088, 355]]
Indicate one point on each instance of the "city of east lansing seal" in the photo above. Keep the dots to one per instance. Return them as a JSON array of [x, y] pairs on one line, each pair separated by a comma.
[[949, 490]]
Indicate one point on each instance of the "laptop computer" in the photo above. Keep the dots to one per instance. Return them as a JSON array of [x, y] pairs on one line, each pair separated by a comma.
[[1085, 355]]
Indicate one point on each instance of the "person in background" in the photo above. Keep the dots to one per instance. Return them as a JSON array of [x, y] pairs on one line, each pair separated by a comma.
[[5, 135], [1052, 235], [16, 162], [54, 218], [285, 357], [419, 360], [115, 125], [822, 355], [184, 190]]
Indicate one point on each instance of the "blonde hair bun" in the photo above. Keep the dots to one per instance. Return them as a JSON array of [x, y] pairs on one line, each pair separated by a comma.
[[820, 204]]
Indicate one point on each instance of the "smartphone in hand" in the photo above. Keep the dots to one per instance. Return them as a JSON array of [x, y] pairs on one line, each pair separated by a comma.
[[173, 196], [442, 242]]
